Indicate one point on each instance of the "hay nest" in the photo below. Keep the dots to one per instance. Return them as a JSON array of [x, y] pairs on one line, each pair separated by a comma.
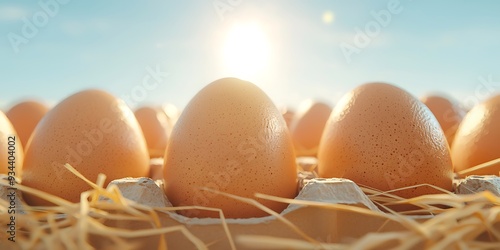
[[454, 222]]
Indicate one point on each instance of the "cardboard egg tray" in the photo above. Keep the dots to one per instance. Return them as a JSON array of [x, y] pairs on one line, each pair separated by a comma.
[[315, 222]]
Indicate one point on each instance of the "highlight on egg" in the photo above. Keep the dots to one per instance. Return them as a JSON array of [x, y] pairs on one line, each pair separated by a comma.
[[477, 138], [288, 115], [448, 114], [380, 136], [11, 149], [172, 113], [24, 116], [307, 126], [230, 138], [94, 132]]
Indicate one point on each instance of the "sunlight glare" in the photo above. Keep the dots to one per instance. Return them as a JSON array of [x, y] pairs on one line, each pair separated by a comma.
[[328, 17], [246, 50]]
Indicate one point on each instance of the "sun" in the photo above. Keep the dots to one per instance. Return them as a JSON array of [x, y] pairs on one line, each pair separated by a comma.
[[246, 50]]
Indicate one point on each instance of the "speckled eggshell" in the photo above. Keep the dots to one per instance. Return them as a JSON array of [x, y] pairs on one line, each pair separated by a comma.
[[6, 131], [95, 133], [478, 138], [155, 127], [448, 114], [24, 116], [230, 138], [380, 136], [307, 127]]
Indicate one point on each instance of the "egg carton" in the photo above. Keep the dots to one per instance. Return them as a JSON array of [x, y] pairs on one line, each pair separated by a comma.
[[339, 226], [321, 223]]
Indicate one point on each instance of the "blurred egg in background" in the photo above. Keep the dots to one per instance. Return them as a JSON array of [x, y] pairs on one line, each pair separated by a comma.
[[156, 127], [24, 116], [448, 114], [307, 126], [476, 141]]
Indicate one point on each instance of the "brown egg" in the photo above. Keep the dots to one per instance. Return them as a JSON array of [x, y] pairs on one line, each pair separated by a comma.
[[478, 136], [10, 149], [307, 127], [172, 113], [448, 114], [156, 128], [95, 133], [288, 116], [230, 138], [25, 116], [380, 136]]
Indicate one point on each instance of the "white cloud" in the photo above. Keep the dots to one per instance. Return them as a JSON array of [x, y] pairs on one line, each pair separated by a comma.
[[12, 13]]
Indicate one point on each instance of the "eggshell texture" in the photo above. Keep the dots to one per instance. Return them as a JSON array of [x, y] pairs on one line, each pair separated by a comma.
[[6, 131], [155, 127], [448, 114], [24, 116], [229, 138], [95, 133], [307, 127], [478, 136], [380, 136]]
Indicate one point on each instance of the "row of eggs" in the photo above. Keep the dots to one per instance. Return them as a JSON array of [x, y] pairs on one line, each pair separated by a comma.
[[475, 137], [232, 138]]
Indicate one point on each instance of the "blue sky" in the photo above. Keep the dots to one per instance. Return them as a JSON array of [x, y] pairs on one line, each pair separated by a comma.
[[428, 46]]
